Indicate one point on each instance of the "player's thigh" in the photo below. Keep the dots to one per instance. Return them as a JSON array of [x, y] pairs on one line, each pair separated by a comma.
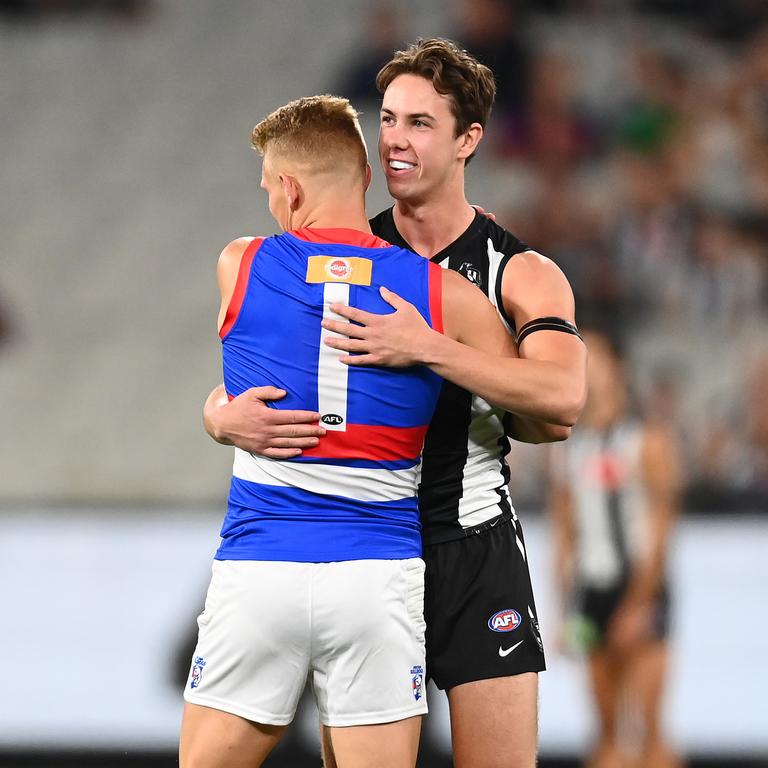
[[387, 745], [368, 642], [211, 738], [494, 722]]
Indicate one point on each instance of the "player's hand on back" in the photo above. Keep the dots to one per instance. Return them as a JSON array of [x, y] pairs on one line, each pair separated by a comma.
[[395, 340], [250, 424]]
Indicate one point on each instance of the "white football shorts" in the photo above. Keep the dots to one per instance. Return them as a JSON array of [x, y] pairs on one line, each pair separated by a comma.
[[354, 629]]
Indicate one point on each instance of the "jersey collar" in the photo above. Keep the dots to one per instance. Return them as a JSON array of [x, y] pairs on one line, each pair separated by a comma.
[[339, 235]]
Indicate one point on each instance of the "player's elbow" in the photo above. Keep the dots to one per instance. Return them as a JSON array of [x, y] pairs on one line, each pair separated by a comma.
[[556, 433], [551, 433], [570, 404]]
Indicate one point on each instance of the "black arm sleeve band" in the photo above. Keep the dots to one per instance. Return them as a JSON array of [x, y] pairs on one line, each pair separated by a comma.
[[547, 324]]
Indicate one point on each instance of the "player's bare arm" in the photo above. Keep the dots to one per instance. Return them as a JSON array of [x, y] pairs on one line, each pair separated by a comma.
[[540, 388], [247, 421], [534, 287]]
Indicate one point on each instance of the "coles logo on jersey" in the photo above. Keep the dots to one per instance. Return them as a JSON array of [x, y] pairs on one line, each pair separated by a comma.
[[505, 621], [197, 671], [417, 682]]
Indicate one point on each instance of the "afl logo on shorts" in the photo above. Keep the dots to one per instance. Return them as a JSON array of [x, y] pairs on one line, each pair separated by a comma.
[[338, 269], [505, 621], [332, 418]]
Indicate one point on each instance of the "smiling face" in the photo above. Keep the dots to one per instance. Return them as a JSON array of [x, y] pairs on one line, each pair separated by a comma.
[[418, 148]]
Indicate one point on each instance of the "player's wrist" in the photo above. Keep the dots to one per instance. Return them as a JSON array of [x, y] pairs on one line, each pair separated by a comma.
[[433, 348], [219, 429]]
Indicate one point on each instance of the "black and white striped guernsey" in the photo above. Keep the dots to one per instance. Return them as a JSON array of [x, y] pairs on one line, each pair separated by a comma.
[[464, 475]]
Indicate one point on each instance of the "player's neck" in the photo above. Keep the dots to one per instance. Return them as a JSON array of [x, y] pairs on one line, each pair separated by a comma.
[[332, 217], [430, 226]]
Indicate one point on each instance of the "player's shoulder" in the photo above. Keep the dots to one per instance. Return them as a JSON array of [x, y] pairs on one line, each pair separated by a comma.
[[237, 247], [530, 268], [232, 253], [460, 291]]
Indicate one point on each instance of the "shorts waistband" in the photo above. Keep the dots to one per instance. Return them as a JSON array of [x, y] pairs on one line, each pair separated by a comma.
[[474, 530]]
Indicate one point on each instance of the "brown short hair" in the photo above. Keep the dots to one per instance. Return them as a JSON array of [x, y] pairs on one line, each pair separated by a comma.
[[453, 72], [319, 130]]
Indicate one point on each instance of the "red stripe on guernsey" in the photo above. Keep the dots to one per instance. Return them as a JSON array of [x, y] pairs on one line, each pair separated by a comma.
[[233, 310], [436, 296], [380, 443], [339, 235]]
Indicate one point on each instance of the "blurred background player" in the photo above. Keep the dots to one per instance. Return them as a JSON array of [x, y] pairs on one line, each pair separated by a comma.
[[614, 499]]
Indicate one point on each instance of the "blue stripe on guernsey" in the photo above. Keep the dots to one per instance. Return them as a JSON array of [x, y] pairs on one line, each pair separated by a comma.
[[284, 528], [354, 497]]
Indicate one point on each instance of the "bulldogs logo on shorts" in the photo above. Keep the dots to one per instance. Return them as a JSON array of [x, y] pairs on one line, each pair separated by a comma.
[[197, 671], [417, 682]]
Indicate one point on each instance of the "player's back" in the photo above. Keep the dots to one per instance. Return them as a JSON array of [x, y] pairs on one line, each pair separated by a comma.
[[354, 495]]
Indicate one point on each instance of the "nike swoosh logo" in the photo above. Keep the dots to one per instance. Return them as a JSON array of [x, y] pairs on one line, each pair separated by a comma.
[[503, 653]]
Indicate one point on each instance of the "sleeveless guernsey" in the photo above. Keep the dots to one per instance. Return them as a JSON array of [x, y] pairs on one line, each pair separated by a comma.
[[354, 496]]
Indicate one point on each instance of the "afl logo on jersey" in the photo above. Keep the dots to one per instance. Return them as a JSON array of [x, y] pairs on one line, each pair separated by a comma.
[[505, 621], [471, 272], [332, 418], [338, 269]]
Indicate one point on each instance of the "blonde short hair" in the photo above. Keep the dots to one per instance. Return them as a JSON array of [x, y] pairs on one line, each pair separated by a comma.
[[320, 131]]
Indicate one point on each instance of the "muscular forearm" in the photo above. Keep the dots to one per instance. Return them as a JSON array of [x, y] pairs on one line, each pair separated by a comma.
[[534, 389]]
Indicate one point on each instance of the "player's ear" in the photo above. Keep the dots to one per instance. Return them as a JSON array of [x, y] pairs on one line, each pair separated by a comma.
[[469, 140], [367, 176], [292, 191]]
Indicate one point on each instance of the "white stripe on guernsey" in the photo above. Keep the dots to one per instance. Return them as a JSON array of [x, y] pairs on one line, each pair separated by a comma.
[[359, 483], [483, 471], [331, 373], [494, 262]]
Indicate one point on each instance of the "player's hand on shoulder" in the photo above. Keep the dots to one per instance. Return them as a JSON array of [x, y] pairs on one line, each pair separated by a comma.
[[483, 212], [250, 424]]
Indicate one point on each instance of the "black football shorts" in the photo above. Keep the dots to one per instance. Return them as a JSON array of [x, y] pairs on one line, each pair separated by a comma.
[[479, 607]]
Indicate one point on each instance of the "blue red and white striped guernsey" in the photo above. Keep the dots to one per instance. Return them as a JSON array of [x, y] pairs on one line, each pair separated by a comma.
[[353, 496]]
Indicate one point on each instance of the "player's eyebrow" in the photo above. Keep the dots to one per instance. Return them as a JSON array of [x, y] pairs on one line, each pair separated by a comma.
[[412, 116]]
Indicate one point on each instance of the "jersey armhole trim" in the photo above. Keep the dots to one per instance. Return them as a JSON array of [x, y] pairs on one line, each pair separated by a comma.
[[238, 295], [435, 279], [499, 296]]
